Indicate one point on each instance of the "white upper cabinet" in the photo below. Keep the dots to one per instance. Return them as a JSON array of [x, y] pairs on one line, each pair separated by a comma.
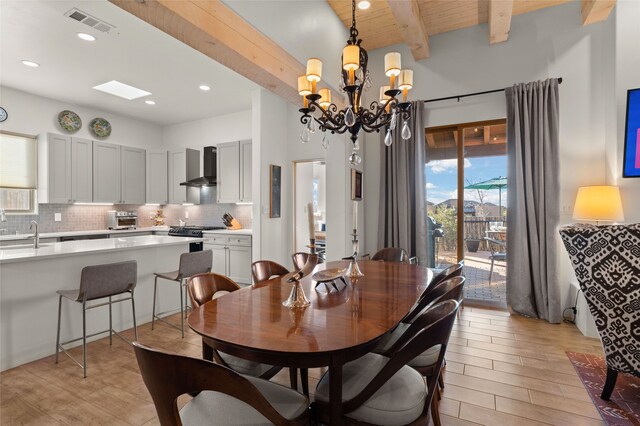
[[133, 164], [234, 172], [81, 170], [245, 171], [157, 180], [65, 169], [106, 173], [184, 164]]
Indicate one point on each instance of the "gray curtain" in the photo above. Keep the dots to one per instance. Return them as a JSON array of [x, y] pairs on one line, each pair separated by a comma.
[[403, 215], [533, 203]]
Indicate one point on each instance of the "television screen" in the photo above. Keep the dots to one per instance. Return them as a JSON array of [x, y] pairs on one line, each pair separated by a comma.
[[631, 167]]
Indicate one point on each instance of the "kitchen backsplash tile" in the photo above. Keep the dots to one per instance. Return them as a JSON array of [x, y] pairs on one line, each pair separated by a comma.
[[91, 217]]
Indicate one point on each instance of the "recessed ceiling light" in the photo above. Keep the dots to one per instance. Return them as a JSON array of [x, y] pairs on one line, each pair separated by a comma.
[[31, 64], [86, 37], [122, 90], [205, 88], [364, 4], [150, 102]]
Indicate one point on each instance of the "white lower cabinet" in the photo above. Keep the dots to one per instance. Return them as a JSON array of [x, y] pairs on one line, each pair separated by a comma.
[[231, 256]]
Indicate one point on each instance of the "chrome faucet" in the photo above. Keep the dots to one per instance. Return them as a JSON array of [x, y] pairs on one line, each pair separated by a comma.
[[36, 234]]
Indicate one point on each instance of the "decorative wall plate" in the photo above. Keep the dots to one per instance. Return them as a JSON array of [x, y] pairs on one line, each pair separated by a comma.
[[69, 121], [100, 127]]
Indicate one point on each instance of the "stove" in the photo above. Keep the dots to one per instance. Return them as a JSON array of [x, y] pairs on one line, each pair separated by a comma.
[[192, 231]]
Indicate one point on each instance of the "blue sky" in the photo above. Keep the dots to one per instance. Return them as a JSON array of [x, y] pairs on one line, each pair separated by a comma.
[[441, 176]]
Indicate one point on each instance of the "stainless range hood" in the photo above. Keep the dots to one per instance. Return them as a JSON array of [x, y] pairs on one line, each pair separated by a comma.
[[210, 174]]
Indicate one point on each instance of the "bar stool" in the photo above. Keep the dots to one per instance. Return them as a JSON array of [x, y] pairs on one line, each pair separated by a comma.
[[197, 262], [99, 282]]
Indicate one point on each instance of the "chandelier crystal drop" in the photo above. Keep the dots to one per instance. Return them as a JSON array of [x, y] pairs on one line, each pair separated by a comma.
[[355, 159], [305, 137], [388, 140], [325, 142], [355, 78]]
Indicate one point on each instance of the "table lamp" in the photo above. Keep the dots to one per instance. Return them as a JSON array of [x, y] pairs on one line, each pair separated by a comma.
[[598, 203]]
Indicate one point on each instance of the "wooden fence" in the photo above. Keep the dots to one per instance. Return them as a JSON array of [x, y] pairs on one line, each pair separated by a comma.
[[474, 228]]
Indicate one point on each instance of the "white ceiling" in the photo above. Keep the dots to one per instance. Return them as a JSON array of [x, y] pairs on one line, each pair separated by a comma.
[[134, 53]]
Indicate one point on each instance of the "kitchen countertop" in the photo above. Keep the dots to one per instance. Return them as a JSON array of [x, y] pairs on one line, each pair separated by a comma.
[[26, 252], [18, 237], [230, 231]]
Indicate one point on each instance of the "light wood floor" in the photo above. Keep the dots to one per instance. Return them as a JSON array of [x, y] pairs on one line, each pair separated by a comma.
[[501, 370]]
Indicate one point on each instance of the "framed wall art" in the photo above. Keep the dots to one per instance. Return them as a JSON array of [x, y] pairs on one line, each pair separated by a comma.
[[356, 185], [631, 165], [275, 173]]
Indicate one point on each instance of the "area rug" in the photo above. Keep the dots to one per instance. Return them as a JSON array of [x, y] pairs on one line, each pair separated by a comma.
[[624, 407]]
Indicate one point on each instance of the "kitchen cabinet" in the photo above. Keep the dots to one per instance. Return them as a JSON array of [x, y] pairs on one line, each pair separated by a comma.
[[245, 171], [183, 165], [106, 173], [234, 172], [231, 256], [132, 166], [65, 169], [118, 174], [157, 179]]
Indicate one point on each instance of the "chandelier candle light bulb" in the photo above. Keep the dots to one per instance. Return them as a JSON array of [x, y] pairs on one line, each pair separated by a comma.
[[392, 67], [304, 89], [325, 98], [351, 61]]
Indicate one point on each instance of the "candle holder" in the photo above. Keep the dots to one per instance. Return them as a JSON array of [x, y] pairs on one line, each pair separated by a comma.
[[297, 298], [312, 245], [353, 271]]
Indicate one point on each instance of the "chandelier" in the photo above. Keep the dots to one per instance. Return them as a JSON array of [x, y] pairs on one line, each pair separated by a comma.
[[383, 113]]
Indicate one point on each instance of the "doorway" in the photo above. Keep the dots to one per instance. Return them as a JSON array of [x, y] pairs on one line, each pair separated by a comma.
[[466, 194], [310, 206]]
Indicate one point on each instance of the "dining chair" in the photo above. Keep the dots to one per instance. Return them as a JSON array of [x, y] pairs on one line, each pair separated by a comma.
[[426, 362], [221, 395], [203, 288], [99, 282], [190, 264], [433, 294], [262, 270], [498, 253], [391, 254], [454, 270], [383, 389]]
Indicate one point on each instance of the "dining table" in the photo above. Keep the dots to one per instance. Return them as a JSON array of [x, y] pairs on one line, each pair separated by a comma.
[[342, 323]]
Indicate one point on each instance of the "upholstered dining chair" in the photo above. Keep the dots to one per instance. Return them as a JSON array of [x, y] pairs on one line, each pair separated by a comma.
[[383, 389], [203, 288], [391, 254], [262, 270], [222, 396], [426, 362], [606, 260]]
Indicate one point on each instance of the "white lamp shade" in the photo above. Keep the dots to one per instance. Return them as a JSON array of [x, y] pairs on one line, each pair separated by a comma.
[[314, 69], [384, 98], [304, 86], [18, 167], [598, 203], [406, 80], [351, 57], [325, 98], [392, 64]]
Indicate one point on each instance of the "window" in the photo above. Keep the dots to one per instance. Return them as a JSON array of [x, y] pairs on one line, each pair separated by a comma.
[[18, 173]]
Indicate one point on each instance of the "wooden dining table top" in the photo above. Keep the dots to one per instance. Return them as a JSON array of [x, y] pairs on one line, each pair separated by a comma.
[[356, 314]]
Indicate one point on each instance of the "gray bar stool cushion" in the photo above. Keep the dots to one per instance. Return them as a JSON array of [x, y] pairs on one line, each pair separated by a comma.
[[425, 359], [220, 409], [399, 401]]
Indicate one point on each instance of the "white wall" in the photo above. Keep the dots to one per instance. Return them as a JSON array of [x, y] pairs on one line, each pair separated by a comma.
[[303, 196], [209, 131], [32, 114], [627, 76], [543, 44]]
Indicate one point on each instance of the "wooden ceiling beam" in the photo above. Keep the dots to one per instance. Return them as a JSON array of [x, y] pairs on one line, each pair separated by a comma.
[[596, 10], [217, 31], [487, 134], [407, 15], [500, 13]]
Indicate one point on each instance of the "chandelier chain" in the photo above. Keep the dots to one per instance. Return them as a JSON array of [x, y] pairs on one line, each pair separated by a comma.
[[353, 30]]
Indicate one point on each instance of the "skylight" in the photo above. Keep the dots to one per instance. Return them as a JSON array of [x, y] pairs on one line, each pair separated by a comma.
[[122, 90]]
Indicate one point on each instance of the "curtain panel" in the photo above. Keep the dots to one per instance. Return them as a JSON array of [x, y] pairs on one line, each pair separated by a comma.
[[533, 202], [403, 211]]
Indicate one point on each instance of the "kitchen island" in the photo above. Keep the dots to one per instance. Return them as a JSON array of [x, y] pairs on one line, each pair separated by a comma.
[[29, 279]]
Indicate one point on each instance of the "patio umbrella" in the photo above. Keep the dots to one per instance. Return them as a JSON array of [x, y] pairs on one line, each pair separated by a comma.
[[495, 183]]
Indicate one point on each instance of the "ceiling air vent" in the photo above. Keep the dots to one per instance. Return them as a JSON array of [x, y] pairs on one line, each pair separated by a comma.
[[89, 20]]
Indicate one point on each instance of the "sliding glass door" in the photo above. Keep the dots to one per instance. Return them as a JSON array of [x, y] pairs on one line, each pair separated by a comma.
[[466, 203]]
